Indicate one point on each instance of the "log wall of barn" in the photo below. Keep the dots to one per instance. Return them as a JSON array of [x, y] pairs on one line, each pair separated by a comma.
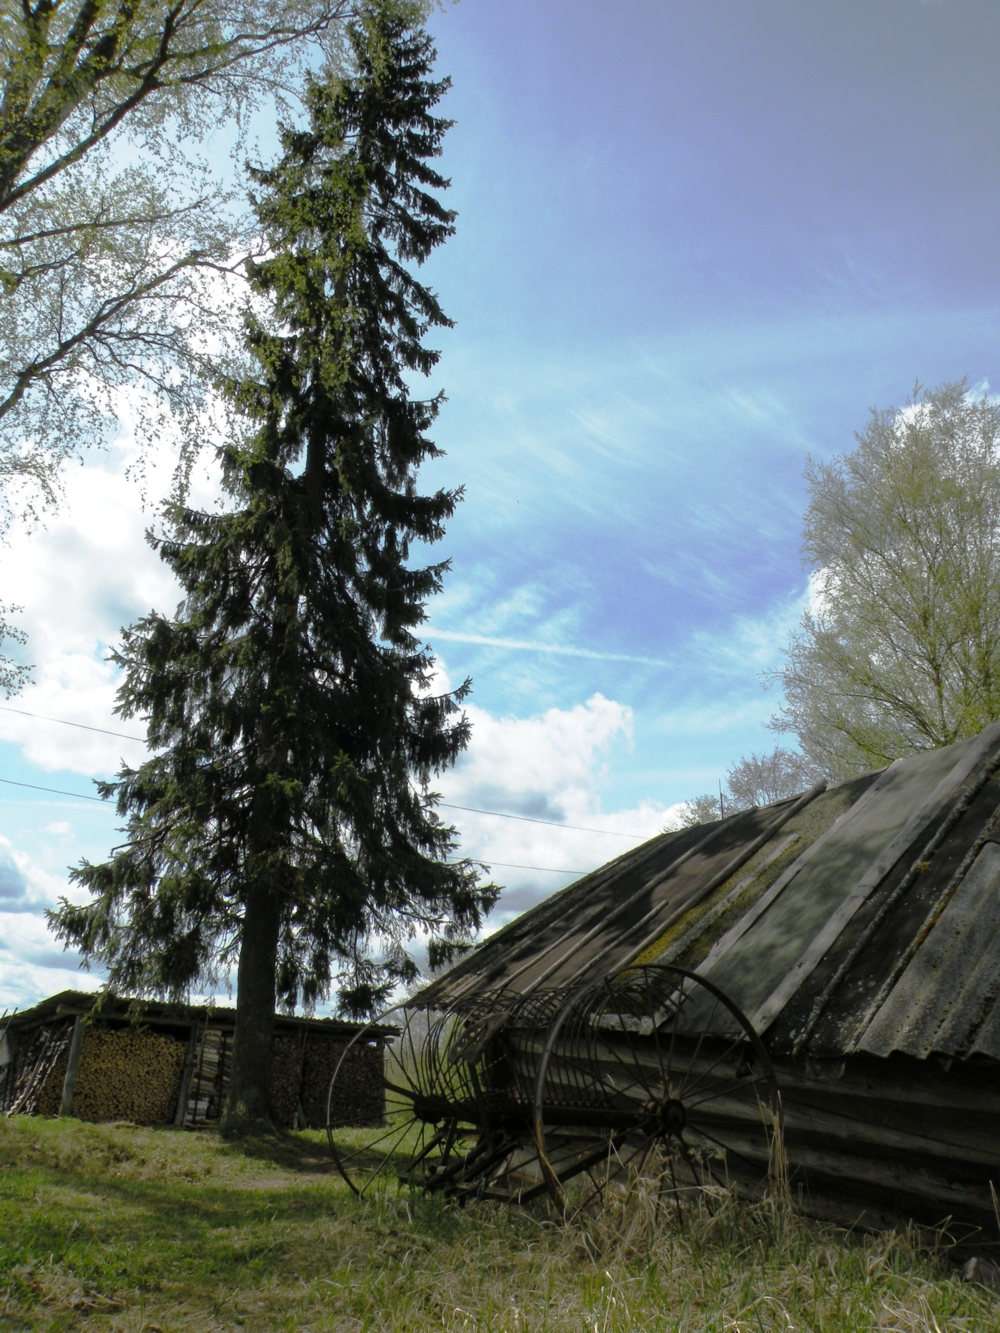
[[871, 1141]]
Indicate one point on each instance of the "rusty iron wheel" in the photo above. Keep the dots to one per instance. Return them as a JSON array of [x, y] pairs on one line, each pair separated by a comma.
[[654, 1080], [423, 1135], [457, 1115]]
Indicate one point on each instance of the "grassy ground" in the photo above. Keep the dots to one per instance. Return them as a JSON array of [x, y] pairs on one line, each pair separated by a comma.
[[120, 1228]]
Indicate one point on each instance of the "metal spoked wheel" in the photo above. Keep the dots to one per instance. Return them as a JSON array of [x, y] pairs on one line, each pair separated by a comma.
[[654, 1077], [457, 1110], [427, 1130]]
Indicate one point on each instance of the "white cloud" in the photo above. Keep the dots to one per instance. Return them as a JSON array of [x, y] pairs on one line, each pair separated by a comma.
[[24, 983], [750, 644], [60, 828], [550, 767], [32, 961], [24, 887], [528, 645], [80, 579]]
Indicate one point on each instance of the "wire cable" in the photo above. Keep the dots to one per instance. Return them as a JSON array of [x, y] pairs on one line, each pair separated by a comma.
[[530, 819], [514, 865], [66, 723], [470, 809], [80, 796], [56, 791]]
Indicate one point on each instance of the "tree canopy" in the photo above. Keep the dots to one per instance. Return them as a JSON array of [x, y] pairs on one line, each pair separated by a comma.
[[286, 817], [113, 224], [900, 648], [704, 809]]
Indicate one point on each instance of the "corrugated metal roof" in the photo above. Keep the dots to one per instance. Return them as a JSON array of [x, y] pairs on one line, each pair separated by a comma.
[[947, 995], [602, 919], [865, 918]]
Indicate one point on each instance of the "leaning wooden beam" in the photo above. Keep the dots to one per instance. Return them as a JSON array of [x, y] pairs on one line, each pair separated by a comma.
[[186, 1073], [72, 1066]]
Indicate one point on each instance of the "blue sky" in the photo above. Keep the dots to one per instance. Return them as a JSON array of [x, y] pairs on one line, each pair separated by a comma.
[[696, 242]]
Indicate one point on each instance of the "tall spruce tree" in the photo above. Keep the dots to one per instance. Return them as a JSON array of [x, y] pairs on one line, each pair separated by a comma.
[[285, 817]]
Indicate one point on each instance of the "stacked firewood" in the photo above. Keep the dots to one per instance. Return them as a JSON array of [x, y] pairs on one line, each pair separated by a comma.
[[136, 1075], [127, 1075], [359, 1095], [286, 1078], [123, 1075], [210, 1077]]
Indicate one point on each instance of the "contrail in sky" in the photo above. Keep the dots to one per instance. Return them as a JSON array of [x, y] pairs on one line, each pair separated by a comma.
[[456, 636]]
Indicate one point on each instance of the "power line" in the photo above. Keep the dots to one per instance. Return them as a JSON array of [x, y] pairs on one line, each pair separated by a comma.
[[66, 723], [80, 796], [56, 791], [529, 819], [512, 865], [470, 809]]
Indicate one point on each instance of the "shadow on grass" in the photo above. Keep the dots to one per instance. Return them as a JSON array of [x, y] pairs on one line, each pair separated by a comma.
[[308, 1155]]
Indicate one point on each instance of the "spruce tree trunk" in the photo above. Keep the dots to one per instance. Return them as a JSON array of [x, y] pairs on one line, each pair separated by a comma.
[[250, 1076]]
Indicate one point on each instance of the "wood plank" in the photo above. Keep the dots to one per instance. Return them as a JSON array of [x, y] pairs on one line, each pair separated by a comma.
[[952, 1146], [868, 1176], [906, 1088], [72, 1066]]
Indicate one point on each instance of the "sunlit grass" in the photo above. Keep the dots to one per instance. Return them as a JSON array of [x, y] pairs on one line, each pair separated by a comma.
[[120, 1228]]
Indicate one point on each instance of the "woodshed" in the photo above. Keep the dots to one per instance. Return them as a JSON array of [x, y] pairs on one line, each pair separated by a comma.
[[156, 1064]]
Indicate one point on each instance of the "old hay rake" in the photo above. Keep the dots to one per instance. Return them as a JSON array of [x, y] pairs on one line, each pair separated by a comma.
[[654, 1074]]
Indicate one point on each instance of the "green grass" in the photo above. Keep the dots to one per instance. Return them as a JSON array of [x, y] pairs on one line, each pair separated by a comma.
[[116, 1227]]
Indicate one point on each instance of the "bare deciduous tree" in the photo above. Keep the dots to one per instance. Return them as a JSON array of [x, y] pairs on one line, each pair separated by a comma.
[[699, 810], [112, 224], [763, 778]]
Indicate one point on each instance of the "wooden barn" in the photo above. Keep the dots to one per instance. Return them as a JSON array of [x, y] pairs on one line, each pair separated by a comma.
[[159, 1064], [854, 930]]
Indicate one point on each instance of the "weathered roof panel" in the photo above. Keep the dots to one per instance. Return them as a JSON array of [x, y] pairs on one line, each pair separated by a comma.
[[949, 986], [774, 952], [865, 919]]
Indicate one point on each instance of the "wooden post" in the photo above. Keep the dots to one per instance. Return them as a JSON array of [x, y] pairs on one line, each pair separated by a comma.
[[72, 1065], [186, 1073]]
